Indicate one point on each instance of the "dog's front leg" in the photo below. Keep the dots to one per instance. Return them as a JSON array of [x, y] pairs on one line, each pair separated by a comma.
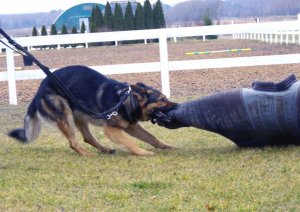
[[142, 134], [118, 136], [90, 139]]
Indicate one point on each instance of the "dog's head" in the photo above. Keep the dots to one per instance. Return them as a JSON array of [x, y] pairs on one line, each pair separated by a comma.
[[150, 101]]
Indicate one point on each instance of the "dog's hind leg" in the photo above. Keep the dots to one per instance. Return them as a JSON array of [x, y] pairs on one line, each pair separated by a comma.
[[118, 136], [139, 132], [57, 109], [90, 139], [67, 127]]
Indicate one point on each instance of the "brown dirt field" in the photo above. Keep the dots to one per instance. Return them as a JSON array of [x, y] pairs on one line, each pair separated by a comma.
[[183, 83]]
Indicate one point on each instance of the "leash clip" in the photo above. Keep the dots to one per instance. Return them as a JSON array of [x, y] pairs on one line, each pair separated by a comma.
[[114, 113], [129, 90]]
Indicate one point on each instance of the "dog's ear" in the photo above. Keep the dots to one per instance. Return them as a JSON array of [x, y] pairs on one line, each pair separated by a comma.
[[140, 84], [140, 87]]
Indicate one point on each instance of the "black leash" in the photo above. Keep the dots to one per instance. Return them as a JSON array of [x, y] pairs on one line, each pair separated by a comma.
[[60, 86]]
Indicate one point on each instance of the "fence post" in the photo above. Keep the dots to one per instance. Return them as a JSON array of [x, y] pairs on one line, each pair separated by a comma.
[[86, 43], [234, 36], [164, 65], [294, 38], [11, 77], [299, 30]]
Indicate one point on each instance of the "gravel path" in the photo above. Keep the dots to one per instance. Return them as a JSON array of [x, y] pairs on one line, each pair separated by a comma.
[[183, 83]]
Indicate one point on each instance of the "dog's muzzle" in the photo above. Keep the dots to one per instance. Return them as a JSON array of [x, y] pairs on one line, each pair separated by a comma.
[[161, 113]]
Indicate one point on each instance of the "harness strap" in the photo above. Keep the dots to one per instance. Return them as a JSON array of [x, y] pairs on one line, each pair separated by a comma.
[[61, 89], [132, 108]]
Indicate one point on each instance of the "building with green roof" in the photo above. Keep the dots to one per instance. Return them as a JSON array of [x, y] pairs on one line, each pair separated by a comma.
[[74, 16]]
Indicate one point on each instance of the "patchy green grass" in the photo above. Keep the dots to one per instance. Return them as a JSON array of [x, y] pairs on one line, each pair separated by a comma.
[[206, 172]]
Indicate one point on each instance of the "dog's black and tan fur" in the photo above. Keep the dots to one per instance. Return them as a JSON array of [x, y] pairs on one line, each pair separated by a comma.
[[98, 93]]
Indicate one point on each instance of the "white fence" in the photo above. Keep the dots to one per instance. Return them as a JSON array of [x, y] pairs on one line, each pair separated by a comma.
[[290, 37], [277, 36], [164, 65]]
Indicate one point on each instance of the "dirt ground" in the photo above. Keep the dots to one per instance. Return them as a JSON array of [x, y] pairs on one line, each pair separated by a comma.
[[183, 83]]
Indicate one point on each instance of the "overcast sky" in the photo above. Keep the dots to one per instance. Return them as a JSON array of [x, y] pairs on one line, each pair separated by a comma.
[[28, 6]]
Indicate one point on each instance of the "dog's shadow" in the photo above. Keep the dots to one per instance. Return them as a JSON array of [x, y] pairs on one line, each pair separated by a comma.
[[228, 149], [204, 151], [188, 151]]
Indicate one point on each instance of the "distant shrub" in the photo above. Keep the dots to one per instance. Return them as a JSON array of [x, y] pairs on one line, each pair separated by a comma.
[[207, 20]]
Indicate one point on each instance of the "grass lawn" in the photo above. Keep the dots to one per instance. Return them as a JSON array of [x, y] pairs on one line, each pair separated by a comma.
[[207, 172]]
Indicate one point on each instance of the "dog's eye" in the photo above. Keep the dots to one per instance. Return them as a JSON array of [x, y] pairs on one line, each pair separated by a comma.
[[164, 98], [153, 96]]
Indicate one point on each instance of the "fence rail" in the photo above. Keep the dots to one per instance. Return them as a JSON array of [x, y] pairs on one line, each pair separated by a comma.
[[164, 65], [291, 37], [272, 35]]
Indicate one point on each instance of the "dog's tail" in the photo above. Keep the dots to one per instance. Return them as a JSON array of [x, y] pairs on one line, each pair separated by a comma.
[[31, 128]]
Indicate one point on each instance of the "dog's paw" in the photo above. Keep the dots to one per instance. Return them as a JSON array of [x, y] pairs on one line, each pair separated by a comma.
[[144, 153], [169, 147], [111, 151]]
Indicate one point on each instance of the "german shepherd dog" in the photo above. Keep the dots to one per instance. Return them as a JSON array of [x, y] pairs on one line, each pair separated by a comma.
[[99, 94]]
